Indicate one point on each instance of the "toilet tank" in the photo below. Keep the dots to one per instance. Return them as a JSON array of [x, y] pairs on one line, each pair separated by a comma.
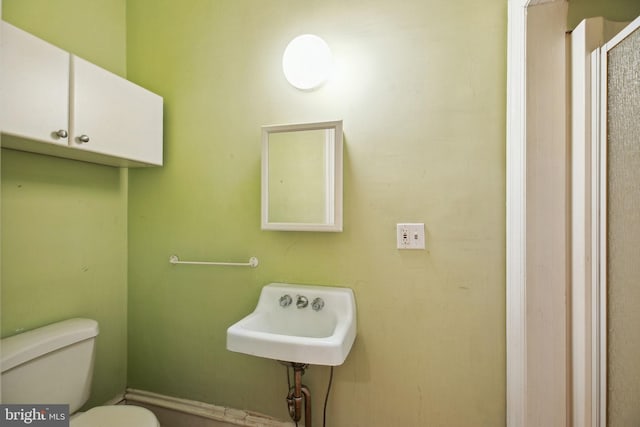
[[49, 365]]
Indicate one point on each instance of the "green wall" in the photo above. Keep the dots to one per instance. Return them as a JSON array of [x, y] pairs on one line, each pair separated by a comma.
[[64, 242], [614, 10], [421, 89]]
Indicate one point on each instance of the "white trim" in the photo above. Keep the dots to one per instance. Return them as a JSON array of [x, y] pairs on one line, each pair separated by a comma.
[[580, 224], [201, 409], [537, 215], [516, 333], [634, 25], [599, 212], [588, 36]]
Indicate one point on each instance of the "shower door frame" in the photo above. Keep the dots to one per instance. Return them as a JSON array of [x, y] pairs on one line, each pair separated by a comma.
[[599, 236], [586, 233], [591, 41], [599, 63]]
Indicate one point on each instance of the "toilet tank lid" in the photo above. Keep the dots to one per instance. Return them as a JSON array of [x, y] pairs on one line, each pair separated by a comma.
[[29, 345]]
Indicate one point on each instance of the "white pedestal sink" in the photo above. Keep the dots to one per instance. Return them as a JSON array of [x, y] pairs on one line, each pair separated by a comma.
[[298, 323]]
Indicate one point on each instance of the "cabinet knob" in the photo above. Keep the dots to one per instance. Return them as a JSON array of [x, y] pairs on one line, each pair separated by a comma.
[[83, 139], [61, 133]]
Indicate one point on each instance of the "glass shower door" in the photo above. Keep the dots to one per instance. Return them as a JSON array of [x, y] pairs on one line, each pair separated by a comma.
[[621, 91]]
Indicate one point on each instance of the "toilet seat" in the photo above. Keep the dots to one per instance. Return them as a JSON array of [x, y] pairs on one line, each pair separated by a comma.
[[115, 415]]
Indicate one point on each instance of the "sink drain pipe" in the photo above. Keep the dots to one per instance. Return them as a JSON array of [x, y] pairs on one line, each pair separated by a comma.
[[297, 393]]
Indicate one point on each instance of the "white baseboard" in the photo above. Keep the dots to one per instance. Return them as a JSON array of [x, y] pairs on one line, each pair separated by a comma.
[[231, 416]]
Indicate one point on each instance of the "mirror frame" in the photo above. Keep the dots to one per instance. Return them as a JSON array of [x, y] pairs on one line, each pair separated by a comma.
[[334, 208]]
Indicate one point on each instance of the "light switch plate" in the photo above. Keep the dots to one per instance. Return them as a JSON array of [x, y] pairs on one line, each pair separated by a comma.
[[410, 236]]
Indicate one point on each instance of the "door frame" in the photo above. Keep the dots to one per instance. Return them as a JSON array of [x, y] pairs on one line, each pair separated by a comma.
[[556, 344], [537, 197]]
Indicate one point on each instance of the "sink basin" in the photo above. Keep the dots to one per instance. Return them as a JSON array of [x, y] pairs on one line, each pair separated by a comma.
[[298, 323]]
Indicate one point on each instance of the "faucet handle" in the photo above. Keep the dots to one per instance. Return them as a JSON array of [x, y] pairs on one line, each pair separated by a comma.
[[285, 300], [302, 301], [317, 304]]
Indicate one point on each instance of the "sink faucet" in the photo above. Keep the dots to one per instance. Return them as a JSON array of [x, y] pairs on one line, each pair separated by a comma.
[[302, 301]]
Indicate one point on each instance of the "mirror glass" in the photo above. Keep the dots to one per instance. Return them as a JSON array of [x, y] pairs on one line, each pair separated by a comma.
[[302, 177]]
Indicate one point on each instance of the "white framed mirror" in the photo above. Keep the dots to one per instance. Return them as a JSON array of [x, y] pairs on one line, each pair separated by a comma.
[[302, 177]]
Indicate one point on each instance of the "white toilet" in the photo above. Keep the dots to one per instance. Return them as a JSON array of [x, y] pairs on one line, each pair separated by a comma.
[[54, 365]]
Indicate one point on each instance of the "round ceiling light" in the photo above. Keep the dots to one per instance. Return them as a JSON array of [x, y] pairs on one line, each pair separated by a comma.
[[307, 62]]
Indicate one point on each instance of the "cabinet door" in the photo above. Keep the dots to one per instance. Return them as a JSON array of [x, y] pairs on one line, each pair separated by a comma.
[[35, 87], [112, 116]]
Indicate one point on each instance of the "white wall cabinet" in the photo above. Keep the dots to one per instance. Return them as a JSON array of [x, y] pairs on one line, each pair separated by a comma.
[[112, 116], [58, 104], [35, 87]]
